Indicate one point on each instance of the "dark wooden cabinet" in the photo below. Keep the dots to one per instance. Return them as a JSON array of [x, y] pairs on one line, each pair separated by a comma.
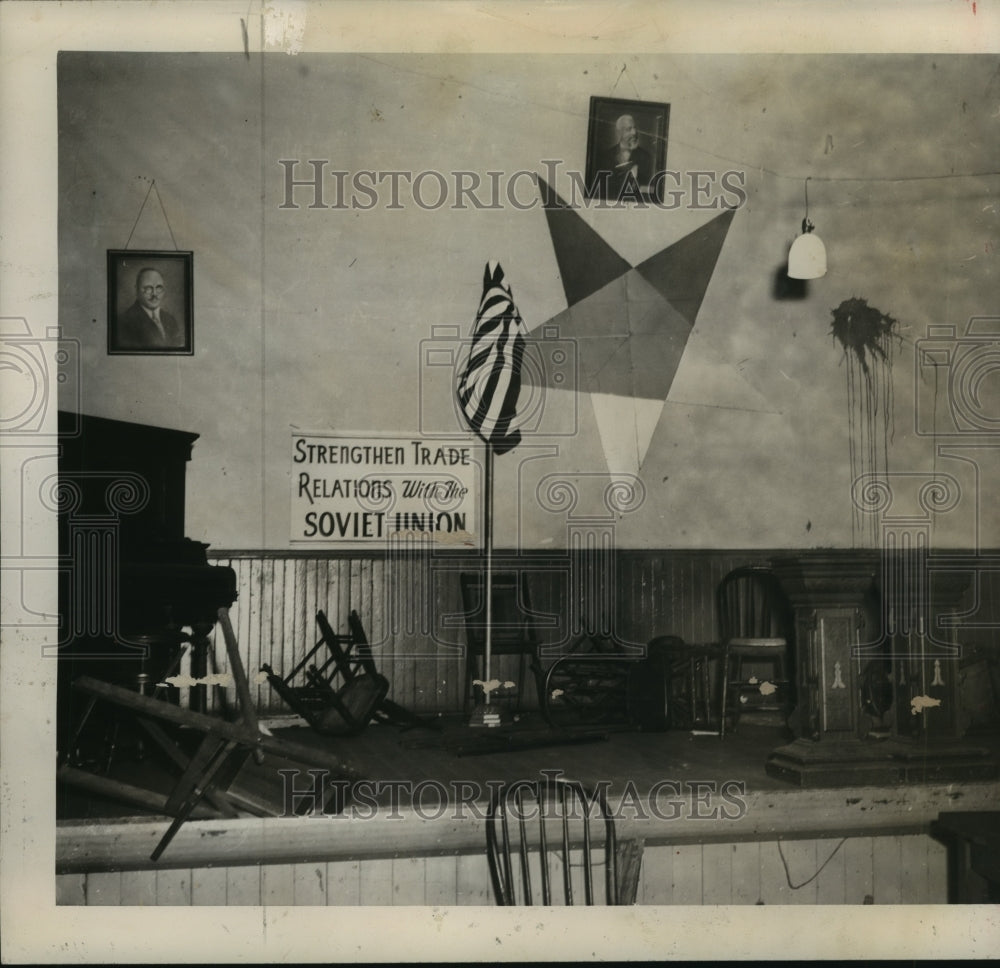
[[133, 589]]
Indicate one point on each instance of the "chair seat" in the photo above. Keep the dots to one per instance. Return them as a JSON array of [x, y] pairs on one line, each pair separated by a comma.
[[356, 706], [764, 644]]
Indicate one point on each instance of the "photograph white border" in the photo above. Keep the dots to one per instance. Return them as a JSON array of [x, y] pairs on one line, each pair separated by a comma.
[[34, 930]]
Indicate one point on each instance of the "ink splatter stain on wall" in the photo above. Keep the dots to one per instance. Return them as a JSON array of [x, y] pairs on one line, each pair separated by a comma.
[[863, 330], [866, 335]]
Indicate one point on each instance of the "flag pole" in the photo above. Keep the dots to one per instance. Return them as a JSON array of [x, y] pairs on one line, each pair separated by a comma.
[[488, 390], [488, 541]]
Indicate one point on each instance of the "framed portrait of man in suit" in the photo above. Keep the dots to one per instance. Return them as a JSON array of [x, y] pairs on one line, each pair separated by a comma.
[[626, 149], [150, 302]]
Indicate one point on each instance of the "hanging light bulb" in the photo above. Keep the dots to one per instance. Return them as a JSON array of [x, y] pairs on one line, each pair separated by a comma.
[[807, 256]]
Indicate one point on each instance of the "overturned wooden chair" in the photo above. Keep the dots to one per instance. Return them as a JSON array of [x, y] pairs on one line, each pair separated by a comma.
[[336, 688], [234, 767]]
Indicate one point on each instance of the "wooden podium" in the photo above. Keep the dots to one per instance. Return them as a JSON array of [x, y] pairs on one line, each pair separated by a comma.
[[876, 678]]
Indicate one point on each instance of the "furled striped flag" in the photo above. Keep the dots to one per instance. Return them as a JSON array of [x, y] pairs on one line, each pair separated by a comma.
[[489, 387]]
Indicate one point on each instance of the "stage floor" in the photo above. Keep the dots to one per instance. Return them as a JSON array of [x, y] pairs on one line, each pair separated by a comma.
[[456, 760]]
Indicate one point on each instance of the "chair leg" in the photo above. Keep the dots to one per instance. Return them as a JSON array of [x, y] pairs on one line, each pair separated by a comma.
[[78, 732], [522, 671], [706, 685], [692, 685], [471, 673], [629, 869], [725, 694]]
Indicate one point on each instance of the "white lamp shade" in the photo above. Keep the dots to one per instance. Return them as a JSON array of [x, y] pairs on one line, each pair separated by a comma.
[[807, 257]]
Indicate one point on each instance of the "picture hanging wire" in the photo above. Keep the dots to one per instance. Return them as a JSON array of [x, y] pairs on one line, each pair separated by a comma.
[[152, 188], [623, 71]]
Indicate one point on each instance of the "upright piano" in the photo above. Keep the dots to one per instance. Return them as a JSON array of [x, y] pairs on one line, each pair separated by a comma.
[[134, 592]]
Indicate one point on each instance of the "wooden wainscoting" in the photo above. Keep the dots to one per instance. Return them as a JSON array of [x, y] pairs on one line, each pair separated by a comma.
[[275, 621], [403, 599], [908, 869]]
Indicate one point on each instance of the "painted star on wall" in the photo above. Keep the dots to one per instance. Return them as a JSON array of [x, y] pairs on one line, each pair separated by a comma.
[[630, 323]]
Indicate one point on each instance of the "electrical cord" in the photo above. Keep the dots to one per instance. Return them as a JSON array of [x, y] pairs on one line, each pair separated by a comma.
[[788, 875]]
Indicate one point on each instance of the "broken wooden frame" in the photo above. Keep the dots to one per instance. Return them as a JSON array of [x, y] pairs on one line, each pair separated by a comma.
[[226, 768]]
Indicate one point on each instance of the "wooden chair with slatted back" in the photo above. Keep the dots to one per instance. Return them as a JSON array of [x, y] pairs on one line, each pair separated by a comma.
[[756, 626], [551, 842], [512, 629]]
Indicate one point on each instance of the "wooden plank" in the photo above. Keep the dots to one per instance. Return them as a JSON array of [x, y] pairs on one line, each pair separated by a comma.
[[937, 872], [243, 886], [803, 859], [640, 619], [310, 606], [216, 652], [376, 628], [683, 603], [452, 649], [831, 884], [71, 888], [746, 873], [259, 644], [777, 884], [629, 868], [577, 877], [913, 872], [658, 605], [403, 614], [274, 646], [887, 887], [441, 880], [285, 647], [703, 599], [363, 600], [408, 691], [343, 883], [717, 874], [328, 591], [438, 668], [408, 880], [104, 888], [277, 885], [309, 884], [208, 886], [239, 615], [687, 875], [858, 874], [173, 887], [384, 617], [376, 882], [139, 888], [341, 571], [355, 592], [81, 847], [302, 627], [472, 879], [247, 698]]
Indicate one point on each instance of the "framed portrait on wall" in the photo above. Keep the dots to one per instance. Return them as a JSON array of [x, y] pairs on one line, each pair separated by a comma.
[[626, 149], [150, 302]]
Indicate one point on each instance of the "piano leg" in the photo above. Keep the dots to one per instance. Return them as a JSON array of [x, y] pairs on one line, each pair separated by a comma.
[[199, 664]]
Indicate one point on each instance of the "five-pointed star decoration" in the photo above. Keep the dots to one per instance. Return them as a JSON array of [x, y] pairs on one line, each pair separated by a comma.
[[630, 323]]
